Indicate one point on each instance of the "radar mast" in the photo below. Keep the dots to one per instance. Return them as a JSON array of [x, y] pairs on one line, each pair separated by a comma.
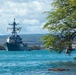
[[14, 28]]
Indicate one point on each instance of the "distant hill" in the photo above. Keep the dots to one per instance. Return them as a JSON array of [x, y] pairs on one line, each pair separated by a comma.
[[31, 39]]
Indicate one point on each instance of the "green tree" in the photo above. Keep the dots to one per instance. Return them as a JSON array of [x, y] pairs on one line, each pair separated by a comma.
[[61, 24]]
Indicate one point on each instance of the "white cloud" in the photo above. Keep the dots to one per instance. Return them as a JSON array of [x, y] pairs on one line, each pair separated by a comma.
[[1, 10], [37, 6], [27, 12], [31, 22]]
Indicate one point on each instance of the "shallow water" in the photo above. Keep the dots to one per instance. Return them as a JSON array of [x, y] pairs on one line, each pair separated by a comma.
[[35, 63]]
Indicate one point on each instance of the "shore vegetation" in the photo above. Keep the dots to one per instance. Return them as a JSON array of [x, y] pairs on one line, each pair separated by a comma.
[[61, 24]]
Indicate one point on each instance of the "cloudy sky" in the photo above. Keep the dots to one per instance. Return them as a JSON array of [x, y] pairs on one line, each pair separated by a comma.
[[28, 13]]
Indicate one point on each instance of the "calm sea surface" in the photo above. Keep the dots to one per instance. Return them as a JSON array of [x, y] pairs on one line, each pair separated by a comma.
[[35, 63]]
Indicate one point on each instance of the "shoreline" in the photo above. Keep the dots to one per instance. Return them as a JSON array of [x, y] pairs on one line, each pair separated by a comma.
[[30, 47]]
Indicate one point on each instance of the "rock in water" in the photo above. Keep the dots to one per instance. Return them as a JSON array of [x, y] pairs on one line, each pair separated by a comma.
[[58, 69]]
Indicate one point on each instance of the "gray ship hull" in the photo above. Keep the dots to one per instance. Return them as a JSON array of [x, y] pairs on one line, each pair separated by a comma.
[[14, 47]]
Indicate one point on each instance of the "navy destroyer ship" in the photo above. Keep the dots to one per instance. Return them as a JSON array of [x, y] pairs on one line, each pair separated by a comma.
[[14, 41]]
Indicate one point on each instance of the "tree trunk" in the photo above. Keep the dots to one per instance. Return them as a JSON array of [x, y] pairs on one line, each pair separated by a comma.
[[69, 48]]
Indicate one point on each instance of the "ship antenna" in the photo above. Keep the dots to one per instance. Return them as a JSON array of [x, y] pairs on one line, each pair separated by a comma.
[[14, 29], [14, 19]]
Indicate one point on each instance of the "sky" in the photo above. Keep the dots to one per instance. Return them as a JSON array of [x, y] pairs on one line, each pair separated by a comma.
[[28, 13]]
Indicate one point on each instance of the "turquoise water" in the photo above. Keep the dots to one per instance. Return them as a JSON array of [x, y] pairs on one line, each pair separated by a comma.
[[35, 63]]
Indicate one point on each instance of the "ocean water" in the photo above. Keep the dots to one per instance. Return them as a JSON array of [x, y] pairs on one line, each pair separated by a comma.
[[35, 62]]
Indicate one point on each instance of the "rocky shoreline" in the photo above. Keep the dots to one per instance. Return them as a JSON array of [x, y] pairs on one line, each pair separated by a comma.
[[2, 47]]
